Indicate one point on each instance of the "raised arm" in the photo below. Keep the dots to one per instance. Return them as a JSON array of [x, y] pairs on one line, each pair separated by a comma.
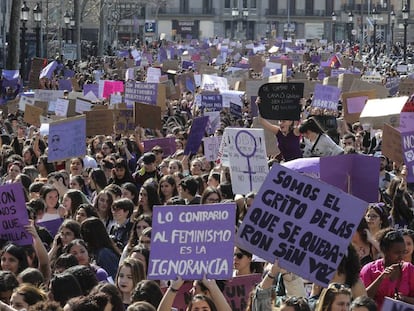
[[169, 296], [216, 295]]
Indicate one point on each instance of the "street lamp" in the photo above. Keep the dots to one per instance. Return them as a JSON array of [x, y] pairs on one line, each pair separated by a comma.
[[72, 27], [37, 16], [392, 14], [24, 17], [66, 19], [375, 16], [235, 15], [405, 15], [350, 26], [333, 26]]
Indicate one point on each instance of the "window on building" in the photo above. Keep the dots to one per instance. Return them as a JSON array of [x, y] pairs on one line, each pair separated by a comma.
[[184, 6], [309, 7], [253, 4], [245, 4], [227, 4], [235, 3], [329, 8], [273, 7]]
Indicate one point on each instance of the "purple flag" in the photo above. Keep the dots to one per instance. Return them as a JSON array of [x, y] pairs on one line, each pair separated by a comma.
[[198, 129], [305, 166], [48, 70], [65, 84], [192, 241]]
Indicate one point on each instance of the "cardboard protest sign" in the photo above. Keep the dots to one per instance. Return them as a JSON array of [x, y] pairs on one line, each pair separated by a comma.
[[237, 290], [406, 87], [281, 101], [32, 115], [305, 223], [354, 102], [377, 112], [67, 139], [391, 145], [185, 82], [197, 131], [167, 144], [82, 105], [146, 93], [326, 97], [355, 174], [192, 241], [211, 147], [124, 121], [148, 116], [257, 62], [359, 85], [246, 150], [99, 122], [14, 215], [408, 153], [345, 81], [396, 305]]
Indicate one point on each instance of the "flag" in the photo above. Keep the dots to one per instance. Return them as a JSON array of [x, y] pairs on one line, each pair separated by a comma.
[[48, 70], [10, 74]]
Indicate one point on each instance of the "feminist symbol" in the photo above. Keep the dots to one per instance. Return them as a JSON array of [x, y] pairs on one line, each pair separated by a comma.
[[247, 151]]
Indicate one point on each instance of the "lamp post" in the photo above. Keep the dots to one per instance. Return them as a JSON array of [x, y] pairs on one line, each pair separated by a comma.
[[37, 16], [72, 28], [234, 15], [24, 17], [350, 26], [375, 18], [245, 18], [66, 19], [333, 26], [392, 14], [405, 14]]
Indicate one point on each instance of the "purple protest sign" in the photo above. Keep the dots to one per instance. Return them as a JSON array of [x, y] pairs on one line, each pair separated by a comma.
[[305, 223], [326, 97], [355, 174], [51, 225], [14, 215], [65, 84], [213, 102], [237, 290], [306, 166], [393, 304], [145, 93], [198, 128], [408, 153], [192, 241], [235, 110], [67, 73], [94, 88], [167, 144], [356, 104]]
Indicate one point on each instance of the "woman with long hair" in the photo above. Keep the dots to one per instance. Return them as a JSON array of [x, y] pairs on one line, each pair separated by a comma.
[[130, 273], [120, 173], [167, 188], [97, 183], [148, 197], [140, 223], [44, 168], [336, 297], [72, 199], [54, 210], [103, 205]]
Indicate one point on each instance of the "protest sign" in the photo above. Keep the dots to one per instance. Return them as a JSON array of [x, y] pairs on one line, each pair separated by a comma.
[[354, 102], [197, 130], [306, 166], [124, 121], [377, 112], [185, 82], [281, 101], [391, 145], [408, 153], [67, 139], [345, 81], [99, 122], [406, 87], [396, 305], [305, 223], [153, 75], [246, 150], [51, 225], [213, 83], [14, 215], [326, 97], [25, 100], [192, 241], [231, 96], [32, 115], [211, 102], [237, 290], [94, 88], [211, 147], [406, 121], [167, 144], [47, 95], [82, 105], [61, 107], [355, 174], [148, 116], [146, 93], [359, 85]]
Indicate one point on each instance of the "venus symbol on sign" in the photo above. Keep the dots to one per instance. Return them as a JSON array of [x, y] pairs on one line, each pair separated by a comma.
[[246, 145]]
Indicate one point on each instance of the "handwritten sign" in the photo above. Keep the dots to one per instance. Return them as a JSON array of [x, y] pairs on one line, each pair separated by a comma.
[[99, 122], [67, 139], [281, 101], [211, 147], [408, 153], [192, 241], [197, 131], [246, 149], [396, 305], [213, 83], [237, 290], [61, 107], [13, 215], [82, 105], [305, 223], [326, 97], [32, 115], [124, 120], [392, 144]]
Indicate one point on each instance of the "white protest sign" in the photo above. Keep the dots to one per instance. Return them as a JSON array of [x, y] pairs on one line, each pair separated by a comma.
[[247, 157], [153, 75], [47, 95], [230, 96], [211, 83], [25, 100], [61, 107], [82, 105], [211, 147]]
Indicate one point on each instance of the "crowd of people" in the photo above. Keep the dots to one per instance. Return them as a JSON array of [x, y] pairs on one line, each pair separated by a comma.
[[98, 259]]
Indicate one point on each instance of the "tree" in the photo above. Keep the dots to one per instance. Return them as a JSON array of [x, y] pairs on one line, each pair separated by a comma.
[[14, 37]]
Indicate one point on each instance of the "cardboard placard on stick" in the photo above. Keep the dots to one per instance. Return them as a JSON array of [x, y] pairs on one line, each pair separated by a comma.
[[352, 104], [391, 144], [148, 116], [32, 115], [99, 121]]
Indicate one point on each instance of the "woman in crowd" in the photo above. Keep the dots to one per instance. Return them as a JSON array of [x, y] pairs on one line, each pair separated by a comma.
[[389, 276], [214, 302], [377, 219], [148, 197], [85, 211], [210, 195], [78, 183], [175, 166], [243, 263], [140, 223], [130, 272], [25, 296], [103, 205], [76, 166], [167, 188], [317, 143], [13, 258], [120, 173], [44, 168], [98, 182], [408, 236], [337, 297], [53, 209], [365, 249], [113, 293], [62, 287], [130, 191], [71, 201], [102, 249], [79, 249]]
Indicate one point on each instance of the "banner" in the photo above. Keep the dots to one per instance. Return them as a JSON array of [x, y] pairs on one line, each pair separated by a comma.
[[197, 130], [305, 223], [192, 241], [326, 97]]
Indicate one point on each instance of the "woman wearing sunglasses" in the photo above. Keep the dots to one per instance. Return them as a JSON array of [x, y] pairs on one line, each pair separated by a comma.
[[390, 276], [243, 264]]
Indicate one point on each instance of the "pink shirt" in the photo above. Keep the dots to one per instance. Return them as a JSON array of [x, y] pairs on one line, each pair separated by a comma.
[[405, 285]]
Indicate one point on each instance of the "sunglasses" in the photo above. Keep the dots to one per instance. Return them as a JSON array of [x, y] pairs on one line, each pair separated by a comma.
[[239, 255]]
